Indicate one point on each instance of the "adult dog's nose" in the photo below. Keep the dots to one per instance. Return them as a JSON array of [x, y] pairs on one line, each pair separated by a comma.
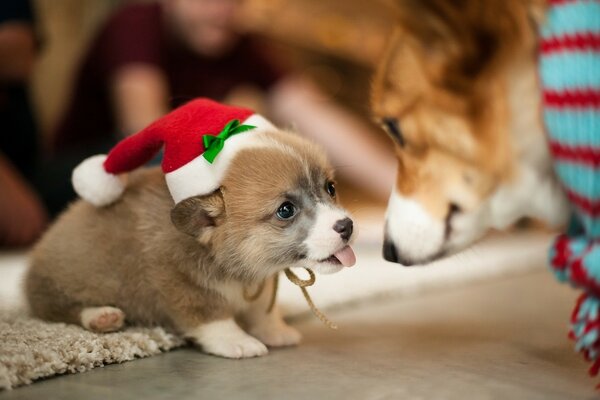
[[389, 251], [391, 254], [344, 227]]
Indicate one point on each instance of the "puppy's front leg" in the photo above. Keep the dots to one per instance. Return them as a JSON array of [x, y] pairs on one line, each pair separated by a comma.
[[207, 319], [269, 328], [226, 339]]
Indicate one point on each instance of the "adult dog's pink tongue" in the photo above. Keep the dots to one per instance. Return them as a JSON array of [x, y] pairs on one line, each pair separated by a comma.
[[346, 256]]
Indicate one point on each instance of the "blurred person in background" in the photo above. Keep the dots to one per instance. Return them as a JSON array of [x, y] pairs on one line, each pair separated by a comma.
[[22, 215], [151, 56]]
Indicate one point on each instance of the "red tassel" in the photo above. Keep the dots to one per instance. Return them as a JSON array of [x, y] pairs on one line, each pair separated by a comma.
[[594, 369], [575, 312], [562, 253]]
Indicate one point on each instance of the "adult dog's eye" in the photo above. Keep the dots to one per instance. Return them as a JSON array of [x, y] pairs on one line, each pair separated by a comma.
[[330, 187], [392, 127], [286, 211]]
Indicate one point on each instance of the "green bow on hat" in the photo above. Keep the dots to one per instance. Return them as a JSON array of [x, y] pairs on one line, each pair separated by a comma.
[[214, 144]]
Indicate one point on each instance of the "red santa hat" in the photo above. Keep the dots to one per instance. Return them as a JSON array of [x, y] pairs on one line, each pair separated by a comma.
[[200, 139]]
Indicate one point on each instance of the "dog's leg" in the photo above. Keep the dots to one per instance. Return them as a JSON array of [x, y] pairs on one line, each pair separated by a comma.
[[269, 327], [272, 330], [205, 317], [102, 319], [226, 339]]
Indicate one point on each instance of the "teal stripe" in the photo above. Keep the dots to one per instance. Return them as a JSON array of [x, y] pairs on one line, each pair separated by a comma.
[[579, 16], [582, 179], [571, 70], [591, 225], [592, 263], [574, 127]]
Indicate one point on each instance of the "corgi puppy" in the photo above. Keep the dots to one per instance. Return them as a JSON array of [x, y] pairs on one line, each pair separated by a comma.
[[187, 266], [457, 91]]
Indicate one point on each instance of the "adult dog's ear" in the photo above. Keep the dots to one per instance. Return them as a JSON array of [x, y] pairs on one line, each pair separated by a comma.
[[197, 216], [462, 39]]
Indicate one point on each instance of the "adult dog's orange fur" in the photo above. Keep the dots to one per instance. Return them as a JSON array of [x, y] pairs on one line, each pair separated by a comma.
[[457, 91]]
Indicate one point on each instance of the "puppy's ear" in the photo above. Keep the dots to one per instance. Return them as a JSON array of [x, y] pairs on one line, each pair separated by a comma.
[[196, 216]]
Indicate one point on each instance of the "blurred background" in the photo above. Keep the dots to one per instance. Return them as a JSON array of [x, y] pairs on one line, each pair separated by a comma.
[[334, 42], [81, 75]]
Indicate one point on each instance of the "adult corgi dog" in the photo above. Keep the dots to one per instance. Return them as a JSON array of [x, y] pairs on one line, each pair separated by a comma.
[[458, 92]]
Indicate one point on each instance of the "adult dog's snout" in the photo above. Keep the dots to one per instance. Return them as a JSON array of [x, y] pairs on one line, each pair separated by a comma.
[[344, 227]]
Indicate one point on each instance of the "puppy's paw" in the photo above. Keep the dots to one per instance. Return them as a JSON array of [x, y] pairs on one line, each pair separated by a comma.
[[226, 339], [102, 319], [239, 347], [276, 334]]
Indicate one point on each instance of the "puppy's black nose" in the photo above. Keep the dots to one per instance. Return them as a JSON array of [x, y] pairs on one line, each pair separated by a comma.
[[344, 227], [389, 251]]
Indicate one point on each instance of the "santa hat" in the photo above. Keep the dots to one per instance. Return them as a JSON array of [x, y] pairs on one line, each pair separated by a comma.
[[200, 139]]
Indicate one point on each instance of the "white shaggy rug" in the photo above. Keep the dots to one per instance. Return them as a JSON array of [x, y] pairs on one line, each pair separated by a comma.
[[31, 349]]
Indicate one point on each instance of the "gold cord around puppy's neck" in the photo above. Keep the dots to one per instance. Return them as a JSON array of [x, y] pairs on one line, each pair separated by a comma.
[[252, 297], [302, 284]]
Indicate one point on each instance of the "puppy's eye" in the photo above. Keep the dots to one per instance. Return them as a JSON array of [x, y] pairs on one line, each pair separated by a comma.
[[286, 211], [392, 127], [330, 188]]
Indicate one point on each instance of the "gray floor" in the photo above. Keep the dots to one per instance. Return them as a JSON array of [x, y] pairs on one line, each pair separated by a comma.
[[502, 339]]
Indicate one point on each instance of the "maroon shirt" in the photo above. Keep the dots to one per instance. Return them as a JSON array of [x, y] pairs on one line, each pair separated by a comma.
[[137, 34]]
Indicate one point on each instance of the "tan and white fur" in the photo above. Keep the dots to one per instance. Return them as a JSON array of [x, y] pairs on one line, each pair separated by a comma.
[[147, 261], [458, 93]]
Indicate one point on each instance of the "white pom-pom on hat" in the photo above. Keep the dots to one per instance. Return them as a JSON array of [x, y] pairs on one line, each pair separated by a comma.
[[92, 183]]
